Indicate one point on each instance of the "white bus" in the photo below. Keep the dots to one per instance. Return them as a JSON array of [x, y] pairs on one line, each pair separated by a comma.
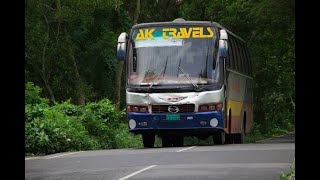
[[187, 78]]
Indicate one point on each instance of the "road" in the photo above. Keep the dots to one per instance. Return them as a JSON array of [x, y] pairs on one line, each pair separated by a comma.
[[263, 160]]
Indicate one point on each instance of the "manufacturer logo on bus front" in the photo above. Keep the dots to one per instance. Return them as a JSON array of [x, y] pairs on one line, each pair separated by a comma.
[[173, 99], [173, 109]]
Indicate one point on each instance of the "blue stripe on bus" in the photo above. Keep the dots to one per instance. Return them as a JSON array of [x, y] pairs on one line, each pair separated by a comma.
[[187, 120]]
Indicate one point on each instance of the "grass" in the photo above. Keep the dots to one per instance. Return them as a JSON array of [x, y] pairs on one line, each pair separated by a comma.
[[289, 174], [256, 135]]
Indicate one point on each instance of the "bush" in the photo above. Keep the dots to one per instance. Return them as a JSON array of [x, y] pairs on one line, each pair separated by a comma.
[[33, 111], [69, 109], [55, 132], [67, 127], [289, 174], [102, 121], [32, 94], [125, 139]]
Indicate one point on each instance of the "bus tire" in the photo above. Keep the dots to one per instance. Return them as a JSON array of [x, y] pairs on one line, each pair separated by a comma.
[[240, 136], [229, 139], [148, 140], [219, 137], [177, 141], [166, 141]]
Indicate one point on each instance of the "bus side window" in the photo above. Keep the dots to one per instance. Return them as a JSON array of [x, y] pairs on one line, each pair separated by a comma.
[[229, 55], [242, 67], [249, 61], [233, 59], [245, 60], [230, 51], [238, 57], [215, 55]]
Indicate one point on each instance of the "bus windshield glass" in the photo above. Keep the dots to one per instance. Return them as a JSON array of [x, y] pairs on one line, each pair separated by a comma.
[[174, 55]]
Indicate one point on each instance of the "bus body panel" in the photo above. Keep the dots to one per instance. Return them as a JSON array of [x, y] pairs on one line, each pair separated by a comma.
[[196, 98], [239, 102]]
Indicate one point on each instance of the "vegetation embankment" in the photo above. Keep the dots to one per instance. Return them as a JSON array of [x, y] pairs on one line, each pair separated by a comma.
[[96, 125], [67, 127], [290, 173]]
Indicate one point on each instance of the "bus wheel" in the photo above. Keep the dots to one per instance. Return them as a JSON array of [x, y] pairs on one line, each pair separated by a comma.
[[239, 138], [229, 139], [166, 141], [148, 140], [177, 141], [219, 137]]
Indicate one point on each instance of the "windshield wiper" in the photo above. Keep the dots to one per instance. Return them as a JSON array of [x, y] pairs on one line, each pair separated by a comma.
[[162, 71], [195, 85]]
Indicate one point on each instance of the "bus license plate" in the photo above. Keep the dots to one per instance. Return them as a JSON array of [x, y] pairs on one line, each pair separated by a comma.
[[173, 117]]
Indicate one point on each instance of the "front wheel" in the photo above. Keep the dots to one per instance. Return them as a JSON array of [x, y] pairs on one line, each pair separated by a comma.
[[148, 140]]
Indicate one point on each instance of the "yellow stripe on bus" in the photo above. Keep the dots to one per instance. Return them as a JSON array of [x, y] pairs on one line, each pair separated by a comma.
[[235, 107]]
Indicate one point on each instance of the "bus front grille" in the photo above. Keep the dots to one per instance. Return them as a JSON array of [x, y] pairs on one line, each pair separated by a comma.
[[183, 108]]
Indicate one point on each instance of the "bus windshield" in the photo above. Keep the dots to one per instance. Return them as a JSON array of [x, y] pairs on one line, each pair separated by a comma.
[[176, 55]]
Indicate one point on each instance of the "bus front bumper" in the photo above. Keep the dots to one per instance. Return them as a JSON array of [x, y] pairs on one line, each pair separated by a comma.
[[140, 122]]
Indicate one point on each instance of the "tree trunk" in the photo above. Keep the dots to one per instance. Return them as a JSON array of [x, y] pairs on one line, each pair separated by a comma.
[[80, 98], [43, 72], [118, 77], [136, 14], [49, 90], [118, 85]]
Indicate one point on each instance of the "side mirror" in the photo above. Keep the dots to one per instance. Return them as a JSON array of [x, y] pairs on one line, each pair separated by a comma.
[[223, 48], [122, 46], [223, 44]]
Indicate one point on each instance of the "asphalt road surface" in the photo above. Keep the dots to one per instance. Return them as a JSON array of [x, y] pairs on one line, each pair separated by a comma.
[[264, 160]]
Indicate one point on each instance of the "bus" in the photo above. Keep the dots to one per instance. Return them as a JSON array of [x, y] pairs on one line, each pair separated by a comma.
[[187, 79]]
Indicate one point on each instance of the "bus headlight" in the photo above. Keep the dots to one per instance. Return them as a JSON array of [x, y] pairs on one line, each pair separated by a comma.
[[132, 124], [214, 122], [137, 108]]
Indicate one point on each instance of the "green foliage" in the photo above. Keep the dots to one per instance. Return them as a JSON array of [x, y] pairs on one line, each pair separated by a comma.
[[102, 121], [68, 127], [125, 139], [33, 111], [289, 174], [66, 37], [69, 109], [55, 132], [32, 94]]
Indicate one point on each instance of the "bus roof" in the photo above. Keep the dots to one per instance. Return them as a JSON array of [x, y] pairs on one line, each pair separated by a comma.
[[180, 21]]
